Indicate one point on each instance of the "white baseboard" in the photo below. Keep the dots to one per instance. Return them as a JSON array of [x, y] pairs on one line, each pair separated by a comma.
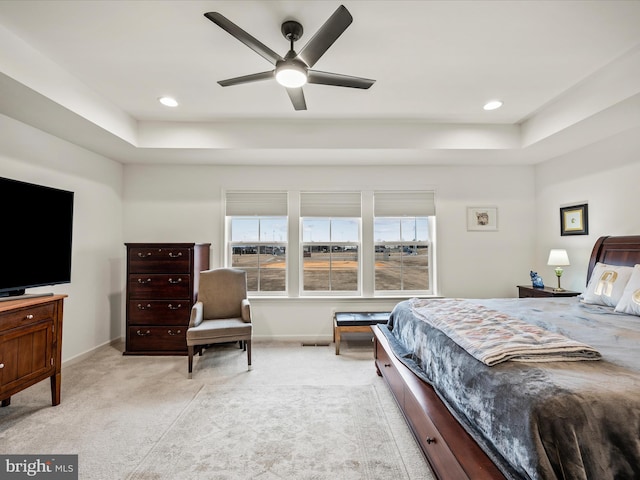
[[83, 356], [295, 338]]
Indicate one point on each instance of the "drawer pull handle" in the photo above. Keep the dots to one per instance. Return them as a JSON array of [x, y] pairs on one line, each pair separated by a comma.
[[1, 365], [142, 280], [176, 333], [174, 255], [29, 317], [144, 255], [144, 307], [387, 364], [171, 280], [430, 440], [171, 307], [140, 334]]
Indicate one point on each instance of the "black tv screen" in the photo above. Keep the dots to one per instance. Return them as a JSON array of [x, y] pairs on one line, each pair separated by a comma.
[[35, 238]]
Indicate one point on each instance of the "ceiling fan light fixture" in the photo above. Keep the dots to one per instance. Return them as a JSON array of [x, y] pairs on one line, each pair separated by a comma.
[[291, 74]]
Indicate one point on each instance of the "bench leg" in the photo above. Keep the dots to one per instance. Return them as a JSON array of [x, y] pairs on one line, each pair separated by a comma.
[[336, 334]]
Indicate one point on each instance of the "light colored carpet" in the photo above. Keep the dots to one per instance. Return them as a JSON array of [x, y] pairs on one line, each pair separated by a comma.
[[276, 432], [300, 413]]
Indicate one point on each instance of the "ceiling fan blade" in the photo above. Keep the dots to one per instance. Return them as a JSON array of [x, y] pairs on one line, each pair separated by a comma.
[[254, 77], [297, 98], [338, 80], [326, 35], [251, 42]]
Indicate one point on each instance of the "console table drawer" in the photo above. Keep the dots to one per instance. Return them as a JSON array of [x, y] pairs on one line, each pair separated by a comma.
[[28, 315]]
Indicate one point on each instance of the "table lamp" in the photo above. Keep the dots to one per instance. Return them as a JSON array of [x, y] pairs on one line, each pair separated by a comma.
[[558, 258]]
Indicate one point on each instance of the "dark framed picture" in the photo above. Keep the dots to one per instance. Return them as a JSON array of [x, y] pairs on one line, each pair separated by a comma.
[[574, 220]]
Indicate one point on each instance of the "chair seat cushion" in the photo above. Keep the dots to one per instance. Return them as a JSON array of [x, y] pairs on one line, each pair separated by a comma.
[[219, 331]]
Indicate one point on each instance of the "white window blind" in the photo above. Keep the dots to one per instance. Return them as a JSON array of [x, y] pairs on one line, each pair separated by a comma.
[[330, 204], [399, 204], [255, 203]]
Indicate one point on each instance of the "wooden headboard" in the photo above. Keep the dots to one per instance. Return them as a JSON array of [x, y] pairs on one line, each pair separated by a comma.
[[615, 251]]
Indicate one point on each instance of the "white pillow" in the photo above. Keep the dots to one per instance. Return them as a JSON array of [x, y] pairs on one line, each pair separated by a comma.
[[606, 284], [630, 301]]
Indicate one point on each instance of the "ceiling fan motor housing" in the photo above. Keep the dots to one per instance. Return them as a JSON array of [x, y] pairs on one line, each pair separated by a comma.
[[291, 30]]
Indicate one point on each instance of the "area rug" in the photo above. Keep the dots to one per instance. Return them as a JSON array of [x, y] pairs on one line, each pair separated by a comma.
[[277, 432]]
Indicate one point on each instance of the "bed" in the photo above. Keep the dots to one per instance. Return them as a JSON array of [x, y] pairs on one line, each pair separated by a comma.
[[546, 419]]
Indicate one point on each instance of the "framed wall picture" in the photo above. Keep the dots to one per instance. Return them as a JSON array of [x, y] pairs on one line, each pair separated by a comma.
[[574, 220], [482, 218]]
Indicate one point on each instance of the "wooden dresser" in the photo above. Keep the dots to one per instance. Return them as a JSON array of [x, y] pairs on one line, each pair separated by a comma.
[[162, 286], [30, 344]]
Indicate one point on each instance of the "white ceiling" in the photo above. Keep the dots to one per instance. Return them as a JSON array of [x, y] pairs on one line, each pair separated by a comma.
[[91, 72]]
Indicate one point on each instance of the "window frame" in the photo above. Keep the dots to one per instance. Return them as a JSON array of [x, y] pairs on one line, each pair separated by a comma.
[[331, 244], [406, 243], [231, 245]]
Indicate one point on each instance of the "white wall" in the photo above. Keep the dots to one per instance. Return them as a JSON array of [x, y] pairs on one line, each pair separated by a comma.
[[92, 311], [604, 175], [116, 204], [183, 204]]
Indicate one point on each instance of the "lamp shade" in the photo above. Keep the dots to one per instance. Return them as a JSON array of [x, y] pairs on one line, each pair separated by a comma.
[[558, 257]]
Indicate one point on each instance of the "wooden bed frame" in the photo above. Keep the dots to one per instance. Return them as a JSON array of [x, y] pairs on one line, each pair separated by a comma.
[[449, 449]]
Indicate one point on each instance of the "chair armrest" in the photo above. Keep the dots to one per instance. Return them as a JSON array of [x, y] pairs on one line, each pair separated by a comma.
[[246, 311], [196, 314]]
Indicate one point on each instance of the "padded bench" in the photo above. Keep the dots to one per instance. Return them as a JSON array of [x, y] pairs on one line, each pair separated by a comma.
[[348, 322]]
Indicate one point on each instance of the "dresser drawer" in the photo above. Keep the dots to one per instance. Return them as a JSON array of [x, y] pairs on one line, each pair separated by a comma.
[[166, 339], [159, 312], [159, 286], [26, 316], [159, 260]]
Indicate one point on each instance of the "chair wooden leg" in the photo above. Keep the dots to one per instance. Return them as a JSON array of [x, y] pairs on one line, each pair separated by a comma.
[[190, 351], [248, 348]]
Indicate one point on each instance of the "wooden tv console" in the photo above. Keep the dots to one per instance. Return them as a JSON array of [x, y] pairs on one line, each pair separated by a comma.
[[30, 344]]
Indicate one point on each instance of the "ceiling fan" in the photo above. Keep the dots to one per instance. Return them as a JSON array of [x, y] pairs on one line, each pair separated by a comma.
[[294, 69]]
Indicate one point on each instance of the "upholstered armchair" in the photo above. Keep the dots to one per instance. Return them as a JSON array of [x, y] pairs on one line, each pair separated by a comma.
[[222, 312]]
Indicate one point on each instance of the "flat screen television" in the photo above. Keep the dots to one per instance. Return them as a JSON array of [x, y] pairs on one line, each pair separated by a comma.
[[36, 227]]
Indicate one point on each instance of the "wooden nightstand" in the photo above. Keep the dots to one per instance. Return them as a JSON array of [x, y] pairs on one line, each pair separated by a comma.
[[525, 291]]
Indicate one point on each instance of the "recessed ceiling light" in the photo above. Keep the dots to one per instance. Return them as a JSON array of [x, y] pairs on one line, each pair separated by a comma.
[[492, 105], [168, 101]]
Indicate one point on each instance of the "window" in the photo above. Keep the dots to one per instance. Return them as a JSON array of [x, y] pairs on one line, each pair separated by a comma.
[[330, 230], [257, 242], [371, 243], [401, 253], [402, 244], [330, 248]]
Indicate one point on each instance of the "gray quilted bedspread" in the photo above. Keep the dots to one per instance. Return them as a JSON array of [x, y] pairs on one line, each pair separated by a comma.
[[547, 421]]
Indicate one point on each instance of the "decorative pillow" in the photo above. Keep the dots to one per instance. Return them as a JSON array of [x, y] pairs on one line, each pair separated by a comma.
[[606, 284], [630, 301]]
